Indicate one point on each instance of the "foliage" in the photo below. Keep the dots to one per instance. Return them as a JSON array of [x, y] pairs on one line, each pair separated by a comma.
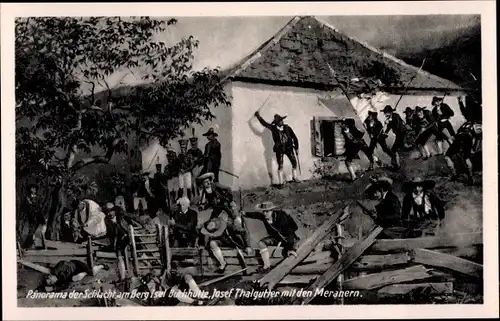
[[81, 187], [62, 128]]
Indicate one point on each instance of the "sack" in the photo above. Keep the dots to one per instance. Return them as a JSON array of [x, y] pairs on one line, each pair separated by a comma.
[[95, 226]]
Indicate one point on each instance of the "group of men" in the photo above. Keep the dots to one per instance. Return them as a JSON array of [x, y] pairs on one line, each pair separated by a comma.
[[424, 124], [176, 179]]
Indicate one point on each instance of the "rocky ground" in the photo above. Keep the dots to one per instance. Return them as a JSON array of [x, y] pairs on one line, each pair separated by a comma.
[[311, 202]]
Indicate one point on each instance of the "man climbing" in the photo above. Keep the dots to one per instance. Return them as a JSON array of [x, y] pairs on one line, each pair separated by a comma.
[[184, 224], [196, 158], [395, 123], [213, 154], [467, 142], [424, 127], [442, 113], [387, 212], [185, 165], [285, 143], [281, 228], [354, 143], [215, 196], [374, 129], [422, 211]]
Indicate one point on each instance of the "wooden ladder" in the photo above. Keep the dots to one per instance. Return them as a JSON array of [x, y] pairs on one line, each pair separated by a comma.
[[149, 251]]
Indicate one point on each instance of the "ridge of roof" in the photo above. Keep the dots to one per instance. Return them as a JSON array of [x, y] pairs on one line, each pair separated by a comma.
[[259, 52], [383, 53]]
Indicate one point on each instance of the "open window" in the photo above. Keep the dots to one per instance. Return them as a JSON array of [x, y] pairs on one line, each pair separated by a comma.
[[327, 137]]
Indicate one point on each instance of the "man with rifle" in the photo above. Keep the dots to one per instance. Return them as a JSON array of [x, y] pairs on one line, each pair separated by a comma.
[[374, 129], [185, 166], [387, 212], [353, 144], [442, 113], [424, 126], [395, 123], [281, 228], [285, 143]]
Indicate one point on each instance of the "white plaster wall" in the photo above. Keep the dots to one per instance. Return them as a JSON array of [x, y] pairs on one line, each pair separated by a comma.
[[254, 160]]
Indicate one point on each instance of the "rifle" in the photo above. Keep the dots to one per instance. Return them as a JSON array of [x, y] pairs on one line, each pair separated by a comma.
[[367, 211], [409, 82]]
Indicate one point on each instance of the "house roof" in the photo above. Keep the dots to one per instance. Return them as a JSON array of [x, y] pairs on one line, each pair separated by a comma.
[[301, 51]]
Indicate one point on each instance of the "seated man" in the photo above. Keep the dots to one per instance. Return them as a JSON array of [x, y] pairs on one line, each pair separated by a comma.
[[183, 224], [387, 212], [115, 231], [281, 229], [214, 196], [222, 231], [66, 233], [422, 209], [66, 272]]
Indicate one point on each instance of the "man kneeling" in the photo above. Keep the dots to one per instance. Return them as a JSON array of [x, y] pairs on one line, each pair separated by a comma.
[[281, 229]]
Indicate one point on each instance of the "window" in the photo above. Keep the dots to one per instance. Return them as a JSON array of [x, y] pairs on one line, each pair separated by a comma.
[[327, 137]]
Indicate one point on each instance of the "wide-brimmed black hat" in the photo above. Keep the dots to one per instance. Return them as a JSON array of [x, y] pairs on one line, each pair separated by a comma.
[[349, 122], [376, 183], [408, 110], [278, 118], [388, 109], [418, 108], [211, 132], [203, 177], [193, 139], [372, 113], [419, 181], [158, 165], [437, 99]]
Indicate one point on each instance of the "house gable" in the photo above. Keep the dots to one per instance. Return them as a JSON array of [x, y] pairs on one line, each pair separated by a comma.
[[299, 54]]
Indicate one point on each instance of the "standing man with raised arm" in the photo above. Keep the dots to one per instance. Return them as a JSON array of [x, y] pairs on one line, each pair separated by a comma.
[[285, 143]]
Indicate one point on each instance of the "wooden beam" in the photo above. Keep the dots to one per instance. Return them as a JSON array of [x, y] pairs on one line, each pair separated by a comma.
[[53, 260], [90, 253], [305, 248], [371, 262], [401, 289], [34, 266], [469, 252], [377, 280], [288, 280], [59, 252], [447, 261], [451, 240], [133, 250], [342, 263], [63, 245], [168, 254], [311, 268]]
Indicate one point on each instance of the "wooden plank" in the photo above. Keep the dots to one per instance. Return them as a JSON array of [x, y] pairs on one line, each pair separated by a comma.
[[135, 262], [221, 278], [168, 254], [342, 263], [34, 266], [401, 289], [372, 262], [469, 252], [53, 260], [287, 280], [59, 252], [313, 268], [305, 248], [378, 280], [447, 261], [90, 253], [63, 245], [451, 240]]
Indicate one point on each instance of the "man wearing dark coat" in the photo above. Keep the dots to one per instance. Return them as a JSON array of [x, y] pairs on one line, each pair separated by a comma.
[[424, 127], [196, 158], [395, 123], [214, 196], [442, 113], [354, 143], [183, 224], [32, 207], [285, 143], [388, 210], [212, 155], [422, 210], [374, 129], [467, 142], [281, 228], [159, 190], [472, 108]]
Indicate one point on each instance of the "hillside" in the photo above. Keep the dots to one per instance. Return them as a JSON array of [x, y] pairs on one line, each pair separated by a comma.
[[455, 60]]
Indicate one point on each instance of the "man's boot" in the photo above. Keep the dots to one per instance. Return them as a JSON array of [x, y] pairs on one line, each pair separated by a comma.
[[295, 176], [280, 177], [352, 172]]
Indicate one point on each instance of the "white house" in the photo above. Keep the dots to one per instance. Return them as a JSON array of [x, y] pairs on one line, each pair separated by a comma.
[[289, 75]]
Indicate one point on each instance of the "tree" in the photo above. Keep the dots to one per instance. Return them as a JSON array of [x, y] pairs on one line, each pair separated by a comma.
[[62, 128]]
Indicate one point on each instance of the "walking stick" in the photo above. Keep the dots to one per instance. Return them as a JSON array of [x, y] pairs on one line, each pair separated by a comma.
[[298, 160], [409, 82]]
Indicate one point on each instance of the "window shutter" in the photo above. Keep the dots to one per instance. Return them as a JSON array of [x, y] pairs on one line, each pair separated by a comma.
[[339, 140], [316, 139]]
